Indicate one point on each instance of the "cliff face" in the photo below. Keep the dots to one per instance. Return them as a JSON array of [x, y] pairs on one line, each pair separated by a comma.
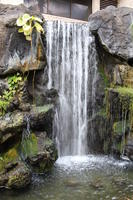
[[113, 34], [26, 109]]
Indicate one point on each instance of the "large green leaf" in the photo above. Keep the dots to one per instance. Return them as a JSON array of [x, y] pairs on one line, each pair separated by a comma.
[[20, 22], [39, 28], [26, 33], [37, 19], [28, 38], [20, 30], [27, 27], [26, 17]]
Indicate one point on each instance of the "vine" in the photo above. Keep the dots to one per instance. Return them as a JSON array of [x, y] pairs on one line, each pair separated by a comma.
[[14, 84]]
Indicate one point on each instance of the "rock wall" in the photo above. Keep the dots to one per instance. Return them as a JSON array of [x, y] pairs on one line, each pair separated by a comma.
[[26, 107], [114, 40]]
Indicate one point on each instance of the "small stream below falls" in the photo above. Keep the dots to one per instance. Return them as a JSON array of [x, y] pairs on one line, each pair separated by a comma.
[[80, 178]]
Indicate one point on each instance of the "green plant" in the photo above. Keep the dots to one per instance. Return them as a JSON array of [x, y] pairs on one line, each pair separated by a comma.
[[28, 24], [14, 83]]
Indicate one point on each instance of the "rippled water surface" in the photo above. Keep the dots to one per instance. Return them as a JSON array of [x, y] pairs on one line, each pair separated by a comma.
[[81, 178]]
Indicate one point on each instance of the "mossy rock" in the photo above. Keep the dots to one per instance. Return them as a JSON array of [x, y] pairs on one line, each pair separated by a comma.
[[121, 126], [42, 109], [39, 152], [19, 177], [29, 146], [9, 158], [13, 172], [104, 76]]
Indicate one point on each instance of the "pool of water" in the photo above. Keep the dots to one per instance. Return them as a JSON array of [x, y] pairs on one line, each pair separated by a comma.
[[80, 178]]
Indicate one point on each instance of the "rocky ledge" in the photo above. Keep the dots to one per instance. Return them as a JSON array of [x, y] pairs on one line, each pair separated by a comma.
[[26, 106]]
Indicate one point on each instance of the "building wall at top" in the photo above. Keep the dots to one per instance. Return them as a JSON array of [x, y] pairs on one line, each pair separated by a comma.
[[95, 5], [125, 3], [13, 2]]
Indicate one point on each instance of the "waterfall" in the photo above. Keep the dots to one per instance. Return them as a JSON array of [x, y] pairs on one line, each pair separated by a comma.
[[71, 68]]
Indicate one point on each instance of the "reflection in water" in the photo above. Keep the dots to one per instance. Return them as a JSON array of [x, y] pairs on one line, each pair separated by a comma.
[[81, 178]]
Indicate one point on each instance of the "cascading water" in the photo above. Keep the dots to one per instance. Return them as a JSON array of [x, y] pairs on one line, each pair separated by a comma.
[[72, 71]]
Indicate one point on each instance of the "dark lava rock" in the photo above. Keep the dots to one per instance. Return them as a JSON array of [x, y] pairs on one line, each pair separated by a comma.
[[16, 53], [112, 27]]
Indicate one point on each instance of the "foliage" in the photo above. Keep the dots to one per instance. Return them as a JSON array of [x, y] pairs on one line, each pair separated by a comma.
[[104, 76], [28, 24], [14, 83]]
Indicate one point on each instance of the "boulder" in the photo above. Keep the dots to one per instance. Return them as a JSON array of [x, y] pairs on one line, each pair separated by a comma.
[[41, 118], [112, 28], [16, 53], [11, 128], [19, 177], [39, 152], [13, 172], [14, 124]]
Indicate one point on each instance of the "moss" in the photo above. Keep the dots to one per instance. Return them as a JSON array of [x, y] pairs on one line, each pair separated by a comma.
[[102, 113], [106, 146], [125, 91], [104, 76], [119, 147], [118, 127], [29, 146], [10, 156], [43, 109], [1, 164]]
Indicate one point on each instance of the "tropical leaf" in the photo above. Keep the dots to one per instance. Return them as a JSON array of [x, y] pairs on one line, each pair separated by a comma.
[[20, 22], [20, 30], [38, 27], [28, 38], [37, 19], [26, 17], [27, 27]]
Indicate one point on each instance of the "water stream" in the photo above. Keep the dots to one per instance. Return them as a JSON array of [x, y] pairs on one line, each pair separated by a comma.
[[72, 71], [80, 178]]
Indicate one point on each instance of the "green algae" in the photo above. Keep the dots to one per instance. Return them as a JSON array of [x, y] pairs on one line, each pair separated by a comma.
[[104, 76], [42, 109], [118, 127], [29, 146], [11, 156]]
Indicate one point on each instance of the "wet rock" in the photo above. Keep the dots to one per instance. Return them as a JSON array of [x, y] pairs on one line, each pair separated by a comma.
[[112, 26], [16, 53], [11, 128], [12, 123], [96, 185], [3, 86], [41, 118], [39, 152], [100, 130], [13, 172], [19, 177], [72, 183], [129, 149]]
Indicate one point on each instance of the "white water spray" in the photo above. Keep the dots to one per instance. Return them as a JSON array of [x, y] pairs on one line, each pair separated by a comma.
[[71, 66]]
